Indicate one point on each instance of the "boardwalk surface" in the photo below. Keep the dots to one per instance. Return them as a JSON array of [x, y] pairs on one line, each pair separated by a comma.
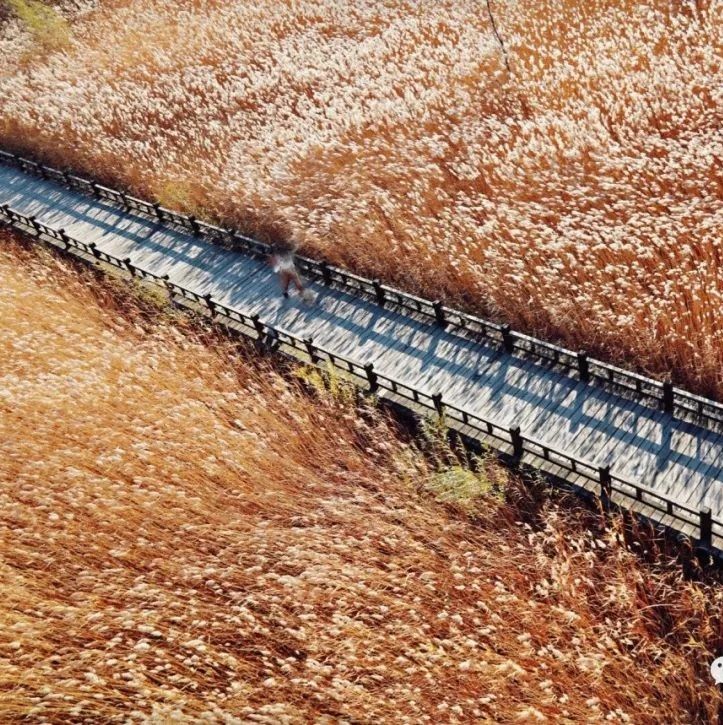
[[677, 459]]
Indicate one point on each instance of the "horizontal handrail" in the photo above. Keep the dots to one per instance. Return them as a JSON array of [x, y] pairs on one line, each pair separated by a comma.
[[673, 400], [510, 440]]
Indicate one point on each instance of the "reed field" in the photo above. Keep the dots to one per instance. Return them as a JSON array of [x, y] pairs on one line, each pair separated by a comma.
[[189, 535], [577, 195]]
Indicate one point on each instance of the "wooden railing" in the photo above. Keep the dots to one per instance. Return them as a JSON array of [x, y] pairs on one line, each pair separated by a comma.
[[510, 441]]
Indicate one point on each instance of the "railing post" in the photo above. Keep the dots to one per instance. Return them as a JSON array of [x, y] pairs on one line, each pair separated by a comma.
[[126, 206], [439, 313], [131, 267], [605, 485], [34, 222], [438, 404], [668, 397], [95, 188], [583, 366], [325, 272], [194, 225], [210, 303], [379, 292], [258, 325], [311, 350], [706, 527], [517, 444], [7, 213], [507, 340], [64, 238], [371, 377], [159, 213]]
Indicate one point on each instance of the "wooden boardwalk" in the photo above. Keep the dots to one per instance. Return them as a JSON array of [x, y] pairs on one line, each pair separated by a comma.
[[677, 459]]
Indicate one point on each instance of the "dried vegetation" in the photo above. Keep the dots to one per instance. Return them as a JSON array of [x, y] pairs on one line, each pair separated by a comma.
[[188, 535], [578, 195]]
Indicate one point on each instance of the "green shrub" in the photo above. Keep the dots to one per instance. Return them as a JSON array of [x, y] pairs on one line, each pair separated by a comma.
[[327, 383], [464, 488]]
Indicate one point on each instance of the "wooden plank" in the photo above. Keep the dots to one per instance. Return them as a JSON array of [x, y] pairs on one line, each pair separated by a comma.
[[620, 425], [447, 368], [573, 429], [498, 393], [556, 403], [675, 472], [695, 479]]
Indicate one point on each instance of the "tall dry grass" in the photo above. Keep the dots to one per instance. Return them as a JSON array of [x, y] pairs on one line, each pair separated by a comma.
[[578, 196], [186, 535]]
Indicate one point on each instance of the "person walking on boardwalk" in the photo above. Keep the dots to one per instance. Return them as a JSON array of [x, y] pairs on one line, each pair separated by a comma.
[[282, 262]]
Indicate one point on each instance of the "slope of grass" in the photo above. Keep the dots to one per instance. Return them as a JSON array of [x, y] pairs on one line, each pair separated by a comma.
[[187, 535], [578, 196]]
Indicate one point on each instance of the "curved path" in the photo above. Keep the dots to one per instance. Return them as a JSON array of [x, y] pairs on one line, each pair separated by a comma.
[[678, 460]]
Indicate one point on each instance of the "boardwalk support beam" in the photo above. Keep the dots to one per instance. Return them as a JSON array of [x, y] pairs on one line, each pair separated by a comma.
[[583, 366], [35, 224], [668, 397], [258, 325], [518, 447], [706, 527], [606, 483], [371, 377]]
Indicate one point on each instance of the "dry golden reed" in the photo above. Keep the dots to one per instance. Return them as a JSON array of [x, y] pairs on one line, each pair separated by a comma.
[[188, 536], [578, 195]]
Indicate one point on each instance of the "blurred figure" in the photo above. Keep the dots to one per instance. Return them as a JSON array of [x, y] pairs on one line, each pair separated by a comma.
[[282, 262]]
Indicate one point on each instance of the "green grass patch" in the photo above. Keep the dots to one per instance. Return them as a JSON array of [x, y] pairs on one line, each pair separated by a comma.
[[465, 488], [327, 383], [47, 26]]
